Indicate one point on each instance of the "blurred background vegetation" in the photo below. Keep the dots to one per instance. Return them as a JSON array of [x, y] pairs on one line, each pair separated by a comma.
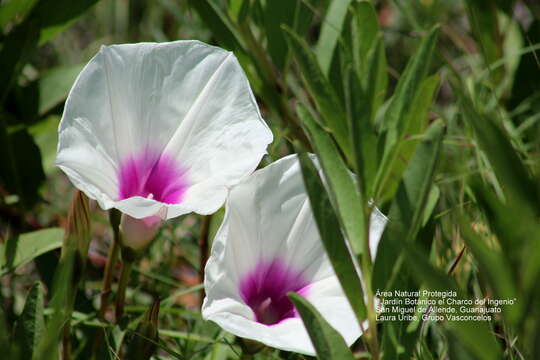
[[456, 135]]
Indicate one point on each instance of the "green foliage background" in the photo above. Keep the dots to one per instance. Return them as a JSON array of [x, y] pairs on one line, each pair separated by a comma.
[[433, 104]]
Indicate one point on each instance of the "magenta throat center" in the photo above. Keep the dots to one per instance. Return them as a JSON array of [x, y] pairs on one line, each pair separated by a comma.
[[264, 289]]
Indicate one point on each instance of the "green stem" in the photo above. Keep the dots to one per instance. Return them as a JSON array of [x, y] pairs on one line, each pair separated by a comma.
[[110, 265], [112, 258], [367, 267], [122, 285], [66, 332]]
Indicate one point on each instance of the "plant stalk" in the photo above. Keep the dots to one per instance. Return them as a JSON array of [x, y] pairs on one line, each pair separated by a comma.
[[121, 292], [110, 266], [367, 267]]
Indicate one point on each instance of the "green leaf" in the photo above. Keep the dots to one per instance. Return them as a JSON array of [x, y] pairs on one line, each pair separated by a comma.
[[45, 135], [293, 13], [330, 33], [476, 336], [397, 158], [21, 169], [57, 17], [328, 343], [219, 23], [409, 84], [365, 32], [482, 15], [326, 99], [374, 76], [332, 238], [494, 265], [145, 338], [407, 209], [239, 10], [364, 97], [20, 250], [342, 189], [10, 349], [55, 84], [514, 225], [14, 10], [16, 49], [31, 323], [508, 167], [396, 118], [61, 306]]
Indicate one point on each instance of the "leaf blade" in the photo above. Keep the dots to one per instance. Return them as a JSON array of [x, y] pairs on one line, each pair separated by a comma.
[[31, 322], [332, 238], [29, 246], [328, 343]]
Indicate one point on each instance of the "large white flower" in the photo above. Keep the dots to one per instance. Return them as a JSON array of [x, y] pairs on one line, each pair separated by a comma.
[[269, 245], [161, 129]]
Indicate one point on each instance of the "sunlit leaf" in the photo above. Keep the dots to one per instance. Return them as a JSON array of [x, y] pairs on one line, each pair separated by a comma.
[[24, 248], [14, 10], [55, 84], [345, 197], [330, 32]]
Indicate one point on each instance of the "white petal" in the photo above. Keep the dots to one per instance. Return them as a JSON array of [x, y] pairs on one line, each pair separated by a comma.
[[268, 213], [289, 335], [268, 216], [186, 99], [326, 295]]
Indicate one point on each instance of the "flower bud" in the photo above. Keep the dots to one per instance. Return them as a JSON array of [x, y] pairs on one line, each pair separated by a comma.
[[78, 223], [144, 341], [138, 233], [77, 235]]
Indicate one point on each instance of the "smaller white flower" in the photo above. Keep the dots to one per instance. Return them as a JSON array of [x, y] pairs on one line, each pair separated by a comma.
[[269, 245]]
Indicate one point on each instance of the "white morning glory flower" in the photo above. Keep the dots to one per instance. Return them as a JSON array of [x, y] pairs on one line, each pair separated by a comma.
[[160, 130], [269, 245]]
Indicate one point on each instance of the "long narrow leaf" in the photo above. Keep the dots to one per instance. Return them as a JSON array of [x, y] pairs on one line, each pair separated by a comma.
[[328, 104], [332, 237], [30, 324], [330, 32], [328, 343], [219, 23], [406, 212], [345, 197], [397, 159]]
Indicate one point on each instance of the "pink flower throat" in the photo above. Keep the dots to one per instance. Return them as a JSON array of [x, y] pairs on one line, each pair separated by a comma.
[[152, 175], [265, 288]]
